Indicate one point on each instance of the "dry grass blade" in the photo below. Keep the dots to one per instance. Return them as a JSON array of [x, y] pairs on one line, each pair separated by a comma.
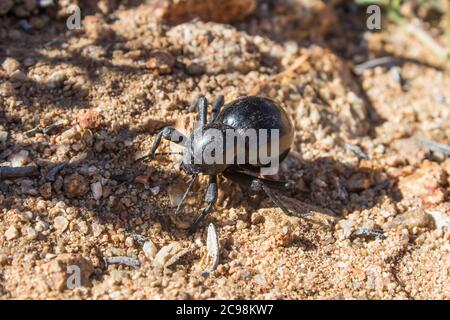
[[125, 261], [18, 172], [169, 255], [213, 250]]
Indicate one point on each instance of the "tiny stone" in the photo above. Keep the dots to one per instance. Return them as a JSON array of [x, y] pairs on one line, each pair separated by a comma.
[[41, 226], [10, 65], [129, 242], [83, 227], [441, 220], [75, 185], [149, 249], [3, 259], [426, 183], [18, 76], [176, 192], [97, 229], [97, 190], [27, 215], [56, 79], [162, 61], [155, 190], [142, 179], [28, 62], [19, 159], [89, 119], [46, 190], [30, 5], [61, 223], [37, 23], [12, 233], [31, 233]]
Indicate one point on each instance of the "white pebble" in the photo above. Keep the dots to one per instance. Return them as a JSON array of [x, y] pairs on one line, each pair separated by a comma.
[[97, 190], [19, 159], [61, 223], [155, 190], [41, 226], [441, 220], [12, 233], [149, 249], [31, 233]]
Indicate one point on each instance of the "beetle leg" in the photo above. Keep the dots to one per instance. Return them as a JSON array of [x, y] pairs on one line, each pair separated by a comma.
[[167, 133], [210, 199], [245, 180], [266, 185], [218, 104], [191, 183], [202, 105], [258, 184]]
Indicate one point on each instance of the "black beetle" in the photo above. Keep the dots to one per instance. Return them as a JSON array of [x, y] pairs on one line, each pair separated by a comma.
[[239, 116]]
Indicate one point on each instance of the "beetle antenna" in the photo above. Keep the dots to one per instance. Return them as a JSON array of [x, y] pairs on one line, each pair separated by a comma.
[[146, 157]]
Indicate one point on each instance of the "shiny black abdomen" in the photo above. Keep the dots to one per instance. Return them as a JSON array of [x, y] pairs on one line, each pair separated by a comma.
[[259, 113]]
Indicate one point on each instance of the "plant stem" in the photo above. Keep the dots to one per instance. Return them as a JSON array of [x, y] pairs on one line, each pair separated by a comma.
[[417, 31]]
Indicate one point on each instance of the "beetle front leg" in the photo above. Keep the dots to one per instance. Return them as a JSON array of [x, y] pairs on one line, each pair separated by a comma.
[[202, 105], [167, 133], [210, 199]]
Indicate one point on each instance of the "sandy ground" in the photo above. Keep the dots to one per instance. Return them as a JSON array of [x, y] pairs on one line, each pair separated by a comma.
[[110, 87]]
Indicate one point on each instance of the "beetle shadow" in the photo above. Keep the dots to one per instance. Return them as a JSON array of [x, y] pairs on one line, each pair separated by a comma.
[[323, 186]]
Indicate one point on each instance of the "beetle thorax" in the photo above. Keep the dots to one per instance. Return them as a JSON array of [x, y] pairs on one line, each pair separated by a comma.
[[207, 150]]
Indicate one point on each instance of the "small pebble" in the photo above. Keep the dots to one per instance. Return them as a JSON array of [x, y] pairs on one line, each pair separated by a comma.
[[12, 233], [155, 190], [149, 249], [41, 226], [75, 185], [89, 119], [10, 65], [56, 79], [3, 259], [97, 190], [162, 61], [19, 159], [129, 242], [176, 192], [61, 223]]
